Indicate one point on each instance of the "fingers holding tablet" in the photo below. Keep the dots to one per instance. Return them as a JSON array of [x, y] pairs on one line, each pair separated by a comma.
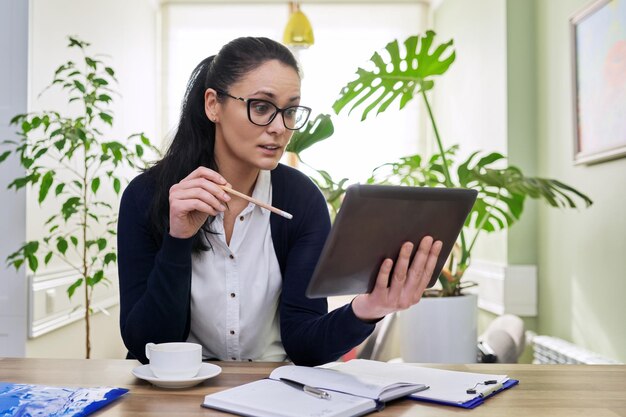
[[403, 288]]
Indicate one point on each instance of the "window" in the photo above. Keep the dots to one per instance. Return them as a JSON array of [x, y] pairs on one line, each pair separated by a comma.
[[346, 35]]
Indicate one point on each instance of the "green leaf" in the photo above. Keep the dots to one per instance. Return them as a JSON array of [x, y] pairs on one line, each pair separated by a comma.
[[117, 185], [59, 189], [70, 207], [46, 183], [97, 277], [40, 153], [33, 263], [104, 97], [74, 240], [110, 257], [16, 119], [80, 86], [60, 144], [315, 131], [90, 62], [31, 247], [47, 258], [62, 245], [95, 184], [401, 76], [35, 122], [139, 150], [75, 42], [73, 287], [107, 118], [102, 243], [4, 156], [110, 71], [23, 181]]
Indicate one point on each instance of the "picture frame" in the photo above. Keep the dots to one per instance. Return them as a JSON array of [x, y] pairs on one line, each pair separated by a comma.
[[598, 40]]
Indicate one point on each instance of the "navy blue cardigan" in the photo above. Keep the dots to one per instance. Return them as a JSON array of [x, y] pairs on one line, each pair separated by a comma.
[[155, 276]]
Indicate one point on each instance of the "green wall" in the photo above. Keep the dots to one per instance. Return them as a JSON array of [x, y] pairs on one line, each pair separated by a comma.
[[580, 254]]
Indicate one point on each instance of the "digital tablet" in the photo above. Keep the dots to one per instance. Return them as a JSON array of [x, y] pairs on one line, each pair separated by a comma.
[[374, 222]]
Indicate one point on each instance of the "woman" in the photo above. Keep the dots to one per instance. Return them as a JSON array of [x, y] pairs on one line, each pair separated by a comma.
[[198, 265]]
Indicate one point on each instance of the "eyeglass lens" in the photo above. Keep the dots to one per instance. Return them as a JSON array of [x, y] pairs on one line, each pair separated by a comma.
[[263, 112]]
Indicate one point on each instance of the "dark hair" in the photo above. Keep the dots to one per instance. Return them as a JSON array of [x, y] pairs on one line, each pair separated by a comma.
[[194, 140]]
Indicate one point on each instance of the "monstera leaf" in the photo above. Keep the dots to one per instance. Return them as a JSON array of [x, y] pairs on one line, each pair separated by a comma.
[[401, 76], [501, 191], [315, 131]]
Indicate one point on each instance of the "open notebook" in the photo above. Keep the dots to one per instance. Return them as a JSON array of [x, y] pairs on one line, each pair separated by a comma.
[[348, 395]]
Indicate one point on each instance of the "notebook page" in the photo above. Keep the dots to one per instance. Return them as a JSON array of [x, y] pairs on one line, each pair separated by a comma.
[[371, 386], [270, 398], [450, 386]]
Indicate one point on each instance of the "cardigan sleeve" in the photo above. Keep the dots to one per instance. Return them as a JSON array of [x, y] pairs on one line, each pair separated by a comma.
[[154, 277], [310, 335]]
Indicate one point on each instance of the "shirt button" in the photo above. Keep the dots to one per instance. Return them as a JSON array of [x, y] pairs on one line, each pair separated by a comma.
[[232, 295], [233, 358], [232, 332], [231, 256], [241, 218]]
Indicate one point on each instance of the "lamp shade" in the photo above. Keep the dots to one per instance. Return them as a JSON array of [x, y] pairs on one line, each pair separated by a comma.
[[298, 31]]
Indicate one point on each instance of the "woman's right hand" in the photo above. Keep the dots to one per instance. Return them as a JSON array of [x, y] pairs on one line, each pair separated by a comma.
[[194, 199]]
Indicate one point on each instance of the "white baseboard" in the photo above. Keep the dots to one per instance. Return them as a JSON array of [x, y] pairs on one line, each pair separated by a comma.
[[504, 289]]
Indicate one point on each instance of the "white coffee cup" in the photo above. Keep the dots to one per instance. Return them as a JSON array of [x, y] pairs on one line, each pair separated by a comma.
[[176, 360]]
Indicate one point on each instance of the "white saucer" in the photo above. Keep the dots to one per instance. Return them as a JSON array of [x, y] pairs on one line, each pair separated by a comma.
[[207, 370]]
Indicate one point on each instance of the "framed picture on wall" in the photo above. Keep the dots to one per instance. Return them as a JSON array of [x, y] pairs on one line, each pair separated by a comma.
[[598, 34]]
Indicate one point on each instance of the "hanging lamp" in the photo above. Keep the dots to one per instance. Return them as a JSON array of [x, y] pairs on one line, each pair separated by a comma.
[[298, 32]]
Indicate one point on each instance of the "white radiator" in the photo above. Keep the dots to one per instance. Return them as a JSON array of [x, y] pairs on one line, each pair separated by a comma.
[[548, 349]]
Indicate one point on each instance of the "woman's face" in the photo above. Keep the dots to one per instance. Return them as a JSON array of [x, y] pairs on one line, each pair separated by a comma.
[[239, 141]]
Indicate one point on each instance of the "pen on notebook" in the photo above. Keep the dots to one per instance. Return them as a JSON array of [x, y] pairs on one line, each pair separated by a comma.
[[316, 392], [257, 202]]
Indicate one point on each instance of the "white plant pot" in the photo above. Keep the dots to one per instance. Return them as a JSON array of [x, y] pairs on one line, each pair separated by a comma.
[[440, 330]]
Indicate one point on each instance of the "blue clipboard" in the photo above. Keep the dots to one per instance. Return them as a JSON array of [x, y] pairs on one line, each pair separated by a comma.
[[473, 403]]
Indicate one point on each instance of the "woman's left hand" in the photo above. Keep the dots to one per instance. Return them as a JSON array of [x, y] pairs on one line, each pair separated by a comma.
[[407, 282]]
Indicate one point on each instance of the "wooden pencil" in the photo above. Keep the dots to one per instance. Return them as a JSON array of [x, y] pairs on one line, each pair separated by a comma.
[[257, 202]]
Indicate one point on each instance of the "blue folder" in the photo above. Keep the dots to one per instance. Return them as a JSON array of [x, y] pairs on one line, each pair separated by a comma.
[[20, 400], [474, 402]]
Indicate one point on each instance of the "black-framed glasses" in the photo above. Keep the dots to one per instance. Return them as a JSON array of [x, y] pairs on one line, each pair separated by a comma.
[[262, 112]]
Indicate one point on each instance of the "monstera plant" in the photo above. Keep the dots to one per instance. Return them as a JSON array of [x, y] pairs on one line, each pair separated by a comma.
[[67, 158], [409, 71]]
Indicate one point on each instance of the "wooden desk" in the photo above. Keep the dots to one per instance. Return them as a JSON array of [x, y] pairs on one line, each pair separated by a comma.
[[544, 390]]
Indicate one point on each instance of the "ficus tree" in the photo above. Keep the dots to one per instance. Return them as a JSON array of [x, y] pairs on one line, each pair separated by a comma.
[[65, 156]]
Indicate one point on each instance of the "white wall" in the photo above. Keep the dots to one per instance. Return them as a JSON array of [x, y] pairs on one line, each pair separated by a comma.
[[13, 47], [125, 32]]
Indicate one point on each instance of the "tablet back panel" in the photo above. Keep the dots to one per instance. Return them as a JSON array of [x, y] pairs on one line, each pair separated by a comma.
[[372, 224]]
